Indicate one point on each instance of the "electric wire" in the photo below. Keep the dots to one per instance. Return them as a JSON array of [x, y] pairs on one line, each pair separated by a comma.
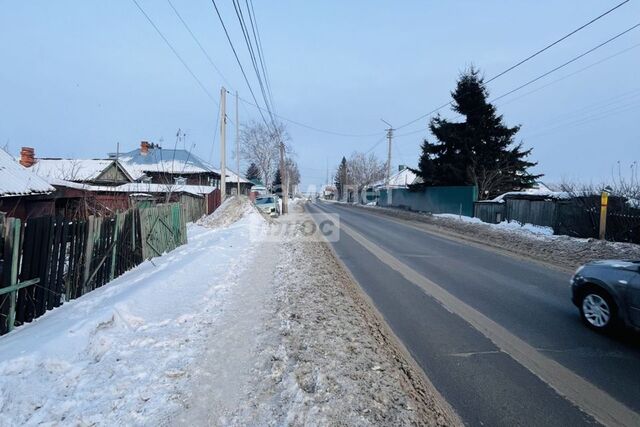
[[175, 52]]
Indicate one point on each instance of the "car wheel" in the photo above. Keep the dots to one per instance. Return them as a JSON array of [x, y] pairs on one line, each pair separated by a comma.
[[597, 309]]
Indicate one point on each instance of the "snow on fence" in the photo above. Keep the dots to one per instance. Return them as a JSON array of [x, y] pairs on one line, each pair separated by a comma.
[[48, 260]]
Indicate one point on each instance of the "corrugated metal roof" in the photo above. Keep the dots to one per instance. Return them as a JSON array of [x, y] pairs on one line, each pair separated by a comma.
[[71, 169], [16, 180], [175, 162]]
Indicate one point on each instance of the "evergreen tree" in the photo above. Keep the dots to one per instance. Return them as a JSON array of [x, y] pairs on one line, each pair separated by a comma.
[[478, 151], [340, 179], [253, 173], [277, 183]]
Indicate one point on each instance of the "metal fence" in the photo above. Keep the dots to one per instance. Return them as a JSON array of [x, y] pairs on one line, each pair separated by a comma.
[[454, 200]]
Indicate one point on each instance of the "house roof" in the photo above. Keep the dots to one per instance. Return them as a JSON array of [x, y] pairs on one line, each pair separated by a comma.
[[176, 162], [400, 179], [73, 169], [136, 187], [16, 180]]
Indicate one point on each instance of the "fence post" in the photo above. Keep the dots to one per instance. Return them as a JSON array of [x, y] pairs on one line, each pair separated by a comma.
[[116, 232], [13, 239], [604, 201]]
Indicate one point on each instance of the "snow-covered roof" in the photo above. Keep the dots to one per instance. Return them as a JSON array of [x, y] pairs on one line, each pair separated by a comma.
[[16, 180], [71, 169], [540, 192], [177, 162], [400, 179], [136, 187]]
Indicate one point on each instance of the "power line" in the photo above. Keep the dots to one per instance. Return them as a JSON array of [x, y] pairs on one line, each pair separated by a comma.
[[261, 54], [175, 52], [567, 63], [573, 73], [556, 42], [237, 59], [524, 60], [252, 55], [540, 76], [204, 51], [330, 132]]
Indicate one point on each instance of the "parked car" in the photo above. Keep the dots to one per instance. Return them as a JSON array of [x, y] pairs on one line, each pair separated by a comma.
[[268, 205], [607, 293]]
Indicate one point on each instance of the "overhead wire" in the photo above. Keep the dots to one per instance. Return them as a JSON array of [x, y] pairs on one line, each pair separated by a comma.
[[523, 61], [175, 52], [235, 54]]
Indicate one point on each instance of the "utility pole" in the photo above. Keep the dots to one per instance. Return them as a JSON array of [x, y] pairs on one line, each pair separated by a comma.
[[237, 143], [223, 143], [283, 176], [389, 138]]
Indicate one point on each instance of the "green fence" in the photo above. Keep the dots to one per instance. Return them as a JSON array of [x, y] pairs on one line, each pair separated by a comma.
[[453, 200], [46, 261]]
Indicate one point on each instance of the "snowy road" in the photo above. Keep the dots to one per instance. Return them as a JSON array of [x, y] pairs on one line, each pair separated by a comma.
[[228, 329], [496, 334]]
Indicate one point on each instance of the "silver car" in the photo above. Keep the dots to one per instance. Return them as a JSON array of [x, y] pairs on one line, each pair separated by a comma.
[[607, 293], [267, 204]]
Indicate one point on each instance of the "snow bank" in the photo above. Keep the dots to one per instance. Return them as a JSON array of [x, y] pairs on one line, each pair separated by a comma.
[[121, 354], [514, 226], [231, 210]]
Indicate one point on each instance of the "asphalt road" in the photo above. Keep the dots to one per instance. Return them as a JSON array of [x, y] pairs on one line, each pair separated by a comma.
[[497, 335]]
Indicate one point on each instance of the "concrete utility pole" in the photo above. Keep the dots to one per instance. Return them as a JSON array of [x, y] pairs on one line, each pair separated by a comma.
[[237, 143], [389, 138], [223, 143]]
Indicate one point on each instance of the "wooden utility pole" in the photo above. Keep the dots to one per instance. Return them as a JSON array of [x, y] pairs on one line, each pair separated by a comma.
[[237, 144], [223, 143], [389, 138], [283, 177]]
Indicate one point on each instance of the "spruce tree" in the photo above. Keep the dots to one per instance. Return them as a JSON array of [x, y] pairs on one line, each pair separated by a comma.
[[253, 173], [477, 151], [277, 183], [341, 178]]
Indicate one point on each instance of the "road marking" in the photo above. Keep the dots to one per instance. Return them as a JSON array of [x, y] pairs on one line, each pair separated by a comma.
[[436, 231], [576, 389]]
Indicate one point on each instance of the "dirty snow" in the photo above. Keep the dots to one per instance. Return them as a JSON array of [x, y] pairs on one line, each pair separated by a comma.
[[228, 329], [529, 240]]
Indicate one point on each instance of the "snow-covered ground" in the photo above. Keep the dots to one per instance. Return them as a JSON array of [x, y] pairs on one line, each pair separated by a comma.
[[526, 240], [123, 353], [229, 329]]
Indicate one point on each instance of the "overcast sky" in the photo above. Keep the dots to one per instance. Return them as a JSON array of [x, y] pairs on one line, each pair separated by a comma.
[[77, 77]]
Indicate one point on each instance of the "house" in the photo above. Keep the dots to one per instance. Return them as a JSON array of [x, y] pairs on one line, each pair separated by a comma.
[[401, 179], [22, 193], [86, 171], [157, 165]]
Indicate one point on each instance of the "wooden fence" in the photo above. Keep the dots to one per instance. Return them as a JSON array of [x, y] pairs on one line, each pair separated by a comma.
[[46, 261]]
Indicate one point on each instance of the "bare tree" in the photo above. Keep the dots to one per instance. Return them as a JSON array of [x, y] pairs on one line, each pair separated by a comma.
[[364, 170], [260, 145], [293, 174]]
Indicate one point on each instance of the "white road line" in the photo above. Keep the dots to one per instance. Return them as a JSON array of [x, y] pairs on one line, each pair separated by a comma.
[[576, 389]]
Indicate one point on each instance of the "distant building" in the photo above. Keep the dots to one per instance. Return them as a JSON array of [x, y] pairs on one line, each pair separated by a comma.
[[154, 164], [401, 179]]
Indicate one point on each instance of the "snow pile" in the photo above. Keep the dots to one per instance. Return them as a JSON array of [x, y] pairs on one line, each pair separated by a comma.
[[231, 210], [123, 354], [513, 226]]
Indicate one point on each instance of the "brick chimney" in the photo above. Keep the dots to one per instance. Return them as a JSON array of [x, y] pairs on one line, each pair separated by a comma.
[[144, 147], [27, 155]]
